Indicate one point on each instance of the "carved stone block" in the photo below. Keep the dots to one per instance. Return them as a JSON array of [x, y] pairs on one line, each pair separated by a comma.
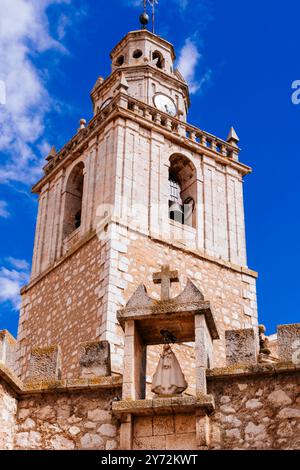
[[95, 359], [241, 346]]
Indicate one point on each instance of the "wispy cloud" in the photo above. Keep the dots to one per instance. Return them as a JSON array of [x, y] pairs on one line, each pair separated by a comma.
[[188, 62], [24, 35], [12, 277], [4, 210]]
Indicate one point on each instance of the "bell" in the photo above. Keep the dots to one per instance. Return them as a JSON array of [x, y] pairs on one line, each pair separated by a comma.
[[176, 212]]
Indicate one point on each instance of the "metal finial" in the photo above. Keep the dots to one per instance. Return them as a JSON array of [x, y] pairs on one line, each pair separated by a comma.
[[144, 18]]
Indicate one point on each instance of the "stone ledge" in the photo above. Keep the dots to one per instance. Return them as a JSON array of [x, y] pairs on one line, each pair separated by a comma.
[[176, 246], [56, 386], [11, 379], [163, 406], [243, 370]]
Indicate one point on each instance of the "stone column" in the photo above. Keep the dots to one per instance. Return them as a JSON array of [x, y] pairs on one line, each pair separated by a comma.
[[201, 353], [126, 432], [134, 364]]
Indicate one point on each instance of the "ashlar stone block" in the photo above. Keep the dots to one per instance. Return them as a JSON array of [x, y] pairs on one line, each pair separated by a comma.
[[45, 364], [95, 359], [288, 337], [241, 346]]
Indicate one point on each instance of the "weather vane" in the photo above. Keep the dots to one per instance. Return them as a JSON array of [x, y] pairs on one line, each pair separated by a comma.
[[144, 18]]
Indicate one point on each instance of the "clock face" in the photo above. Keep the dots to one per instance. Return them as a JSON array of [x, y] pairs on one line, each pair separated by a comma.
[[105, 103], [165, 104]]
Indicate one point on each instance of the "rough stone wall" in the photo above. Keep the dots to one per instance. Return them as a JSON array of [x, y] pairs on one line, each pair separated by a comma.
[[8, 409], [261, 412], [64, 308], [67, 421], [171, 432]]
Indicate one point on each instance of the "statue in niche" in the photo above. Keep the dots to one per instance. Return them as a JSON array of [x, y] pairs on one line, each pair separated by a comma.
[[168, 379]]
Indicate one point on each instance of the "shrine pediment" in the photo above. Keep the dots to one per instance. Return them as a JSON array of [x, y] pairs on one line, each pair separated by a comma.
[[178, 311]]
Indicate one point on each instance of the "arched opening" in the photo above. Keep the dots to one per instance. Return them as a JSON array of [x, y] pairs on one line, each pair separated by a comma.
[[120, 61], [183, 191], [158, 57], [137, 54], [73, 202]]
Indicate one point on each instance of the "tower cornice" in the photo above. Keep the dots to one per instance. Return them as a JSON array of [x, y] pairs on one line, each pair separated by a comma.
[[149, 117], [147, 35]]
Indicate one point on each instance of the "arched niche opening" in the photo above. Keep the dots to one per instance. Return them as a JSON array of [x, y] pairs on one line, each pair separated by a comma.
[[183, 190], [120, 61], [73, 200], [159, 59]]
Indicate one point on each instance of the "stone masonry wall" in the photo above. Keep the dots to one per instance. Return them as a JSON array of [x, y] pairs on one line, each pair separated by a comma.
[[252, 412], [64, 308], [258, 412], [67, 421], [172, 432], [8, 409]]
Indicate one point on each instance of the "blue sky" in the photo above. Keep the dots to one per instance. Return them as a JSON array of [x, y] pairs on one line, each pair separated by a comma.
[[240, 58]]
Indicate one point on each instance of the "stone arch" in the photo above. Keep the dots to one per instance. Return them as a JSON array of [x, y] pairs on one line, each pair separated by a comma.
[[159, 58], [73, 200], [183, 190]]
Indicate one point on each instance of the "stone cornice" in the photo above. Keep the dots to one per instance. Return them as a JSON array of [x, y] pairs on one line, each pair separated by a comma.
[[146, 69], [149, 117], [74, 385], [244, 370], [176, 246]]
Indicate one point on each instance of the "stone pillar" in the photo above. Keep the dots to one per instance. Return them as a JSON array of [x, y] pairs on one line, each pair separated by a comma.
[[201, 353], [134, 378], [289, 343], [202, 429], [8, 346], [126, 432], [241, 346], [95, 360], [45, 364]]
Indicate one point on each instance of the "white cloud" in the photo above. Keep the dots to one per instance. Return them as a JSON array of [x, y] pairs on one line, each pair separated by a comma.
[[3, 210], [20, 264], [11, 281], [24, 34], [189, 58]]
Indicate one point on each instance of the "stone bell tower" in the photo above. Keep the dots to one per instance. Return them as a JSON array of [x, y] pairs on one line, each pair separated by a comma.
[[136, 188]]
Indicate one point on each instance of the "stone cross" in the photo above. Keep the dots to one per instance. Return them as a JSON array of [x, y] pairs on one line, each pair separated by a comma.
[[165, 278]]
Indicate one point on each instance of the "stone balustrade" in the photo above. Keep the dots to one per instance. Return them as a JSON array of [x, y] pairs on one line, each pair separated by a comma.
[[148, 113]]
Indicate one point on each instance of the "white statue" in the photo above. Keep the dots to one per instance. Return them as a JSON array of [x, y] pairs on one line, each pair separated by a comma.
[[168, 379]]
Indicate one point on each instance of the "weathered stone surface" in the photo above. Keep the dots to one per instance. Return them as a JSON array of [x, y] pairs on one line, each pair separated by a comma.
[[241, 346], [92, 441], [8, 345], [288, 343], [95, 360], [279, 398], [262, 413], [108, 430], [253, 404], [89, 425], [8, 410], [45, 364], [289, 413], [61, 443]]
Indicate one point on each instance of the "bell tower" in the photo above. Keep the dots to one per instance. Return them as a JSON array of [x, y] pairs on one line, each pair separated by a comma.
[[136, 188], [145, 63]]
